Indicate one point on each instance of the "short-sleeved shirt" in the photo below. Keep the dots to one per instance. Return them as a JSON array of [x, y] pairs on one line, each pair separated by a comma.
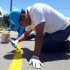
[[54, 21]]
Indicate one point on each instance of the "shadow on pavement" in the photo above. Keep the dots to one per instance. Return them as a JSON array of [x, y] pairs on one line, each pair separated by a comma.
[[27, 54], [54, 56]]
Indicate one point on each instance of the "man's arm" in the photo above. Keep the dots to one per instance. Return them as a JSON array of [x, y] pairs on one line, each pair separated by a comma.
[[39, 38], [24, 36]]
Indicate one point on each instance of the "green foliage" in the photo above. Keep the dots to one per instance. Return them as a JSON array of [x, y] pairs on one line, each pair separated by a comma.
[[6, 20]]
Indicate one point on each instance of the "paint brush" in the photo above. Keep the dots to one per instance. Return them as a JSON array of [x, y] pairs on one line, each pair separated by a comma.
[[18, 49]]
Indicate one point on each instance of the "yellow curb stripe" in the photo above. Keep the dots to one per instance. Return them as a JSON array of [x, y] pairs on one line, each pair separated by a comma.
[[17, 61]]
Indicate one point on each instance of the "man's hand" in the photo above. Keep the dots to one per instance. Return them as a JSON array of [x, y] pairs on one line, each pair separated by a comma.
[[35, 62], [14, 43]]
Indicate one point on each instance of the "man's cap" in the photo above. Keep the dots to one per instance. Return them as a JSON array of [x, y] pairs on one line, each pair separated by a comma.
[[14, 16]]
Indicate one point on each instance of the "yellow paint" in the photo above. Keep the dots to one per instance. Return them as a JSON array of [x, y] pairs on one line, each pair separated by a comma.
[[17, 60], [18, 49]]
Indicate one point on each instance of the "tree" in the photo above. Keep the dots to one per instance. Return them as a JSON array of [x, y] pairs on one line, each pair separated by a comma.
[[6, 20], [0, 13]]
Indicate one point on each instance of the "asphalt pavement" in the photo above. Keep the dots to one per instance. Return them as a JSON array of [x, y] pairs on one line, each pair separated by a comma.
[[51, 61]]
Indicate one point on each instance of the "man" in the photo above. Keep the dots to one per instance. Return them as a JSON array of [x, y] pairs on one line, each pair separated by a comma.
[[51, 27], [14, 17]]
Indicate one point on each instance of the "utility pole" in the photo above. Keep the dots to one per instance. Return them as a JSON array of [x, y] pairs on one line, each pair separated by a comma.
[[10, 5]]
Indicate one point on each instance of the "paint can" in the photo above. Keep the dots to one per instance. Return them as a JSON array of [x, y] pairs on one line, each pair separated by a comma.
[[5, 37]]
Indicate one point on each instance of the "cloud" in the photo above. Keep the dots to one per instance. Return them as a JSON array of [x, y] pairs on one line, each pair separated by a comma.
[[68, 18], [3, 11]]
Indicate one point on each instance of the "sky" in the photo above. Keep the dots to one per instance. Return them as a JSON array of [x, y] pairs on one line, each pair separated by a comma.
[[62, 6]]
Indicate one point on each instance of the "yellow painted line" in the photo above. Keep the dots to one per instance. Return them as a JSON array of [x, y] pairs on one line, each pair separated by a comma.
[[17, 60]]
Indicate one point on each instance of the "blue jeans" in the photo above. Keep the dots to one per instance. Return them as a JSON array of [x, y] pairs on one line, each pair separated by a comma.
[[56, 41]]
